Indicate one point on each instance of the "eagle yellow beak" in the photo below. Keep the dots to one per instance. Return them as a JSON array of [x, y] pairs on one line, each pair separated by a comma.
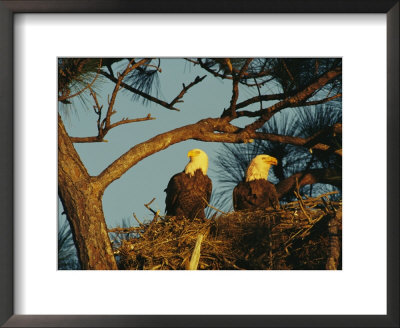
[[192, 153], [272, 161]]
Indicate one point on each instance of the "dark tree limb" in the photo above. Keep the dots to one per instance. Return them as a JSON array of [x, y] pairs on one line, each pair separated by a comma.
[[328, 176], [128, 69], [296, 100], [185, 88], [231, 111], [334, 242], [322, 101], [140, 93], [321, 135], [232, 70]]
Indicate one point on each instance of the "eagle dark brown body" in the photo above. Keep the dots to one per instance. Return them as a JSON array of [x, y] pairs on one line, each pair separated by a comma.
[[255, 194], [186, 195]]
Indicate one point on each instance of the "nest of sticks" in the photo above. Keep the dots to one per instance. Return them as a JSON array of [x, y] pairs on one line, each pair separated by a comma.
[[302, 235]]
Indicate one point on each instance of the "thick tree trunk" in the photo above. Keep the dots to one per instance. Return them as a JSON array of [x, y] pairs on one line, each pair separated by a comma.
[[81, 197]]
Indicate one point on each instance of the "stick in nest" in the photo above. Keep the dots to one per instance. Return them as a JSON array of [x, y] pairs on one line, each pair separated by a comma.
[[301, 203], [214, 208], [137, 220], [156, 213]]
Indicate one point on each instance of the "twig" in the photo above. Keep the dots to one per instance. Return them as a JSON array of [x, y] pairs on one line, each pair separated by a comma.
[[137, 220], [184, 90], [214, 208], [192, 61], [301, 203], [104, 130], [140, 93], [128, 69], [156, 213], [194, 260]]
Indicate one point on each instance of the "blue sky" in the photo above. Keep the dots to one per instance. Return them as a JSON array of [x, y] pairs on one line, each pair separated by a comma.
[[149, 178]]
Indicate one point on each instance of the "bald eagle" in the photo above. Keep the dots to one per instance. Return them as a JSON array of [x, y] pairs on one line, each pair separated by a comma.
[[188, 191], [256, 192]]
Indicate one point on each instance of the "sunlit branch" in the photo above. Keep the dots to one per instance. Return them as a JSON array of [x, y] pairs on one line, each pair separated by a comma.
[[126, 121], [204, 130], [104, 131], [322, 101]]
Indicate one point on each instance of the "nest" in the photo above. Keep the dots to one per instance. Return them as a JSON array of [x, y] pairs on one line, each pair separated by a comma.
[[303, 235]]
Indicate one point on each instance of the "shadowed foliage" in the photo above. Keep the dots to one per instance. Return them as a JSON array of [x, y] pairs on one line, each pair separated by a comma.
[[233, 159], [67, 257]]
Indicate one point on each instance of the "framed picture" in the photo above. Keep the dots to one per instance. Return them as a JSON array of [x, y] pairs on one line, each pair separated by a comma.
[[364, 292]]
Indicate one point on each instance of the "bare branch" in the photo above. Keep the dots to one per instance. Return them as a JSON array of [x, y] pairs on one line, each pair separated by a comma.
[[289, 73], [133, 120], [328, 176], [156, 213], [253, 100], [245, 75], [231, 111], [192, 61], [204, 130], [185, 89], [322, 101], [204, 66], [296, 100], [104, 131], [140, 93], [127, 70]]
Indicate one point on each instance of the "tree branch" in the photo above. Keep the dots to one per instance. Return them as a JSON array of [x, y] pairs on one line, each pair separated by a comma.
[[328, 176], [245, 75], [322, 101], [140, 93], [102, 134], [127, 70], [204, 130], [231, 111], [185, 89], [296, 100], [204, 66], [133, 120], [256, 99]]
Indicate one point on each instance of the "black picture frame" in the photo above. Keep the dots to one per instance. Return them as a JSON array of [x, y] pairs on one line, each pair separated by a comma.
[[7, 11]]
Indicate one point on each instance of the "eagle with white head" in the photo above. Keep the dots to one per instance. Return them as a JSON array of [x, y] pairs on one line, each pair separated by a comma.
[[256, 192], [188, 192]]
